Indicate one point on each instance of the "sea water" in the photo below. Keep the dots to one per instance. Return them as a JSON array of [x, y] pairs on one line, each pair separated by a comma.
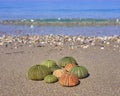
[[56, 11]]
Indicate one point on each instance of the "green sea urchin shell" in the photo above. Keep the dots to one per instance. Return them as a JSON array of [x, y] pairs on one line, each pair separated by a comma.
[[50, 79], [49, 63], [66, 60], [53, 68], [38, 72], [79, 71]]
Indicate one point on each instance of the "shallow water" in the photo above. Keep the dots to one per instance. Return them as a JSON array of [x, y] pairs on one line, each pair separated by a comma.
[[60, 30], [55, 11]]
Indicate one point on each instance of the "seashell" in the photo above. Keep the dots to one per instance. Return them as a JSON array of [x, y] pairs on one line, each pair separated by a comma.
[[72, 47], [105, 38], [74, 38], [85, 46], [107, 43], [118, 41], [60, 43], [78, 39], [102, 48], [93, 43], [69, 39], [1, 43]]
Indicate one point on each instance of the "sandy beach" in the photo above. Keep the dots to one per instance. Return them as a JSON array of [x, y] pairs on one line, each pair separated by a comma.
[[100, 56]]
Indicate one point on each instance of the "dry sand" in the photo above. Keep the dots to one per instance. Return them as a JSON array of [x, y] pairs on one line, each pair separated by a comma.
[[102, 64]]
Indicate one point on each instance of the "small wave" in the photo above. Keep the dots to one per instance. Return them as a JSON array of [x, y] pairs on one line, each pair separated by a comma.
[[64, 22]]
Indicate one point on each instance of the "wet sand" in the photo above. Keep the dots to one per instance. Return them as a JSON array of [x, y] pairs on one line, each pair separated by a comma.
[[101, 60]]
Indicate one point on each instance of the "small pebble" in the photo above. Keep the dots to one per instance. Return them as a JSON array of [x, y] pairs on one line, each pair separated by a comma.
[[85, 46], [72, 47], [102, 48], [107, 43], [1, 43], [61, 40]]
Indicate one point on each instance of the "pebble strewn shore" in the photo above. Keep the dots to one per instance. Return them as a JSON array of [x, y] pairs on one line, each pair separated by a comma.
[[59, 41], [100, 55]]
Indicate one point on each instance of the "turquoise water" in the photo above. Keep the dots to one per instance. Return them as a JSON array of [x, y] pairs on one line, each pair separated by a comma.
[[37, 10]]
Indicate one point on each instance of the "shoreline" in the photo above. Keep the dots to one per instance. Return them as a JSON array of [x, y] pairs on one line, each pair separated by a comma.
[[59, 40], [63, 22]]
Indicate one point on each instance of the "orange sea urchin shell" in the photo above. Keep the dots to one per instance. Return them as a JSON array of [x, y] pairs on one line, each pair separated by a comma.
[[58, 73], [69, 80], [69, 66]]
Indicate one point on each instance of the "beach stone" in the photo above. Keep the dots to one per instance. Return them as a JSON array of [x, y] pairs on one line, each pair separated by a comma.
[[102, 48]]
